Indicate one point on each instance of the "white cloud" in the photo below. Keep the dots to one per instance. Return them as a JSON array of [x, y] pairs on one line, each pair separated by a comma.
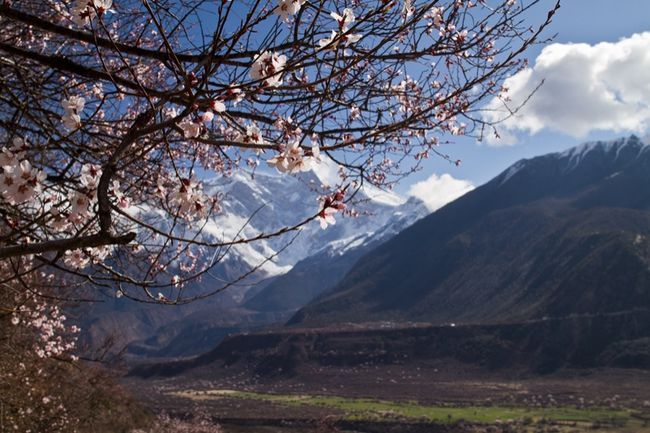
[[586, 88], [437, 191]]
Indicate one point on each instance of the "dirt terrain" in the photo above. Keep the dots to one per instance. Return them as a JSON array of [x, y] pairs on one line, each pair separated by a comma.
[[560, 376], [242, 401]]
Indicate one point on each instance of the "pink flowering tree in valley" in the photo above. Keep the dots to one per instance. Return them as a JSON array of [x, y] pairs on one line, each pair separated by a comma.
[[113, 111]]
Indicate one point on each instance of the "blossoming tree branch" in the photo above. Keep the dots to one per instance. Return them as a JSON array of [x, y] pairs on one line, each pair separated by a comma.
[[111, 113]]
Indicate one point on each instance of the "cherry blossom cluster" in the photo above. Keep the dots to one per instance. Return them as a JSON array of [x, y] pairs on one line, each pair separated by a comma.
[[191, 127], [34, 338], [49, 324], [19, 181], [85, 11], [134, 115], [82, 257], [288, 8], [72, 106], [190, 200], [268, 68], [408, 93], [342, 34], [77, 207], [330, 206], [292, 159], [435, 20]]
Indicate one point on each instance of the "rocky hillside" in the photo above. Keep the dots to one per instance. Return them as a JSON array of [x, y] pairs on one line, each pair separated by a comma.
[[540, 346]]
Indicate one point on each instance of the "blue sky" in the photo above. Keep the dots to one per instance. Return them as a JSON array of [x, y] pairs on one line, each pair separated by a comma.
[[589, 22]]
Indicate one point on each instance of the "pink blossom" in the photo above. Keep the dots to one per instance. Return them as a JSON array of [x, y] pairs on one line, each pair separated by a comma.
[[22, 183], [189, 199], [252, 135]]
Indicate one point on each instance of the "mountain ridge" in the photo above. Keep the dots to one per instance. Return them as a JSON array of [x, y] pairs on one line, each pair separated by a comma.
[[472, 260]]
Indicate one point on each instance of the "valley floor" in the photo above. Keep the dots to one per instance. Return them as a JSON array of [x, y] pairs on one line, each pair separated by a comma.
[[435, 397]]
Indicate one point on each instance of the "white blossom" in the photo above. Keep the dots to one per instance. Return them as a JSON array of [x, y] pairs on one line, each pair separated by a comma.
[[190, 128], [268, 66], [72, 106], [354, 112], [84, 11], [287, 8], [189, 199], [79, 206], [90, 174], [408, 9], [342, 35], [328, 42], [74, 103], [326, 217], [207, 117], [344, 20], [122, 200], [76, 259], [71, 121], [218, 106]]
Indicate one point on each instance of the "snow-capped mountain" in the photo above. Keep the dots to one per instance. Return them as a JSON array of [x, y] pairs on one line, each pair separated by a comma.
[[252, 204], [552, 236], [621, 151], [322, 270]]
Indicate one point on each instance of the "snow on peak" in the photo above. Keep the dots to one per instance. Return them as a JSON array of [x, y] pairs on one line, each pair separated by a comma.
[[612, 147], [264, 202], [512, 170], [584, 148], [575, 155], [646, 141], [388, 198], [327, 172]]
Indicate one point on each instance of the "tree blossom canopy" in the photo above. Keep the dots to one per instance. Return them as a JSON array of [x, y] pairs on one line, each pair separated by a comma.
[[112, 113]]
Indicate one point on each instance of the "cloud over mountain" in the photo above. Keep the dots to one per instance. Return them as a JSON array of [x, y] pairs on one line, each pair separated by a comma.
[[585, 88], [436, 191]]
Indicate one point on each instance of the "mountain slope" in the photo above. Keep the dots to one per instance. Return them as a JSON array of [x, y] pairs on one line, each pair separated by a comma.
[[551, 236], [322, 270]]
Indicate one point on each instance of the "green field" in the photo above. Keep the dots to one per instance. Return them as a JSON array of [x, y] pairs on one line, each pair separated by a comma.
[[370, 409]]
